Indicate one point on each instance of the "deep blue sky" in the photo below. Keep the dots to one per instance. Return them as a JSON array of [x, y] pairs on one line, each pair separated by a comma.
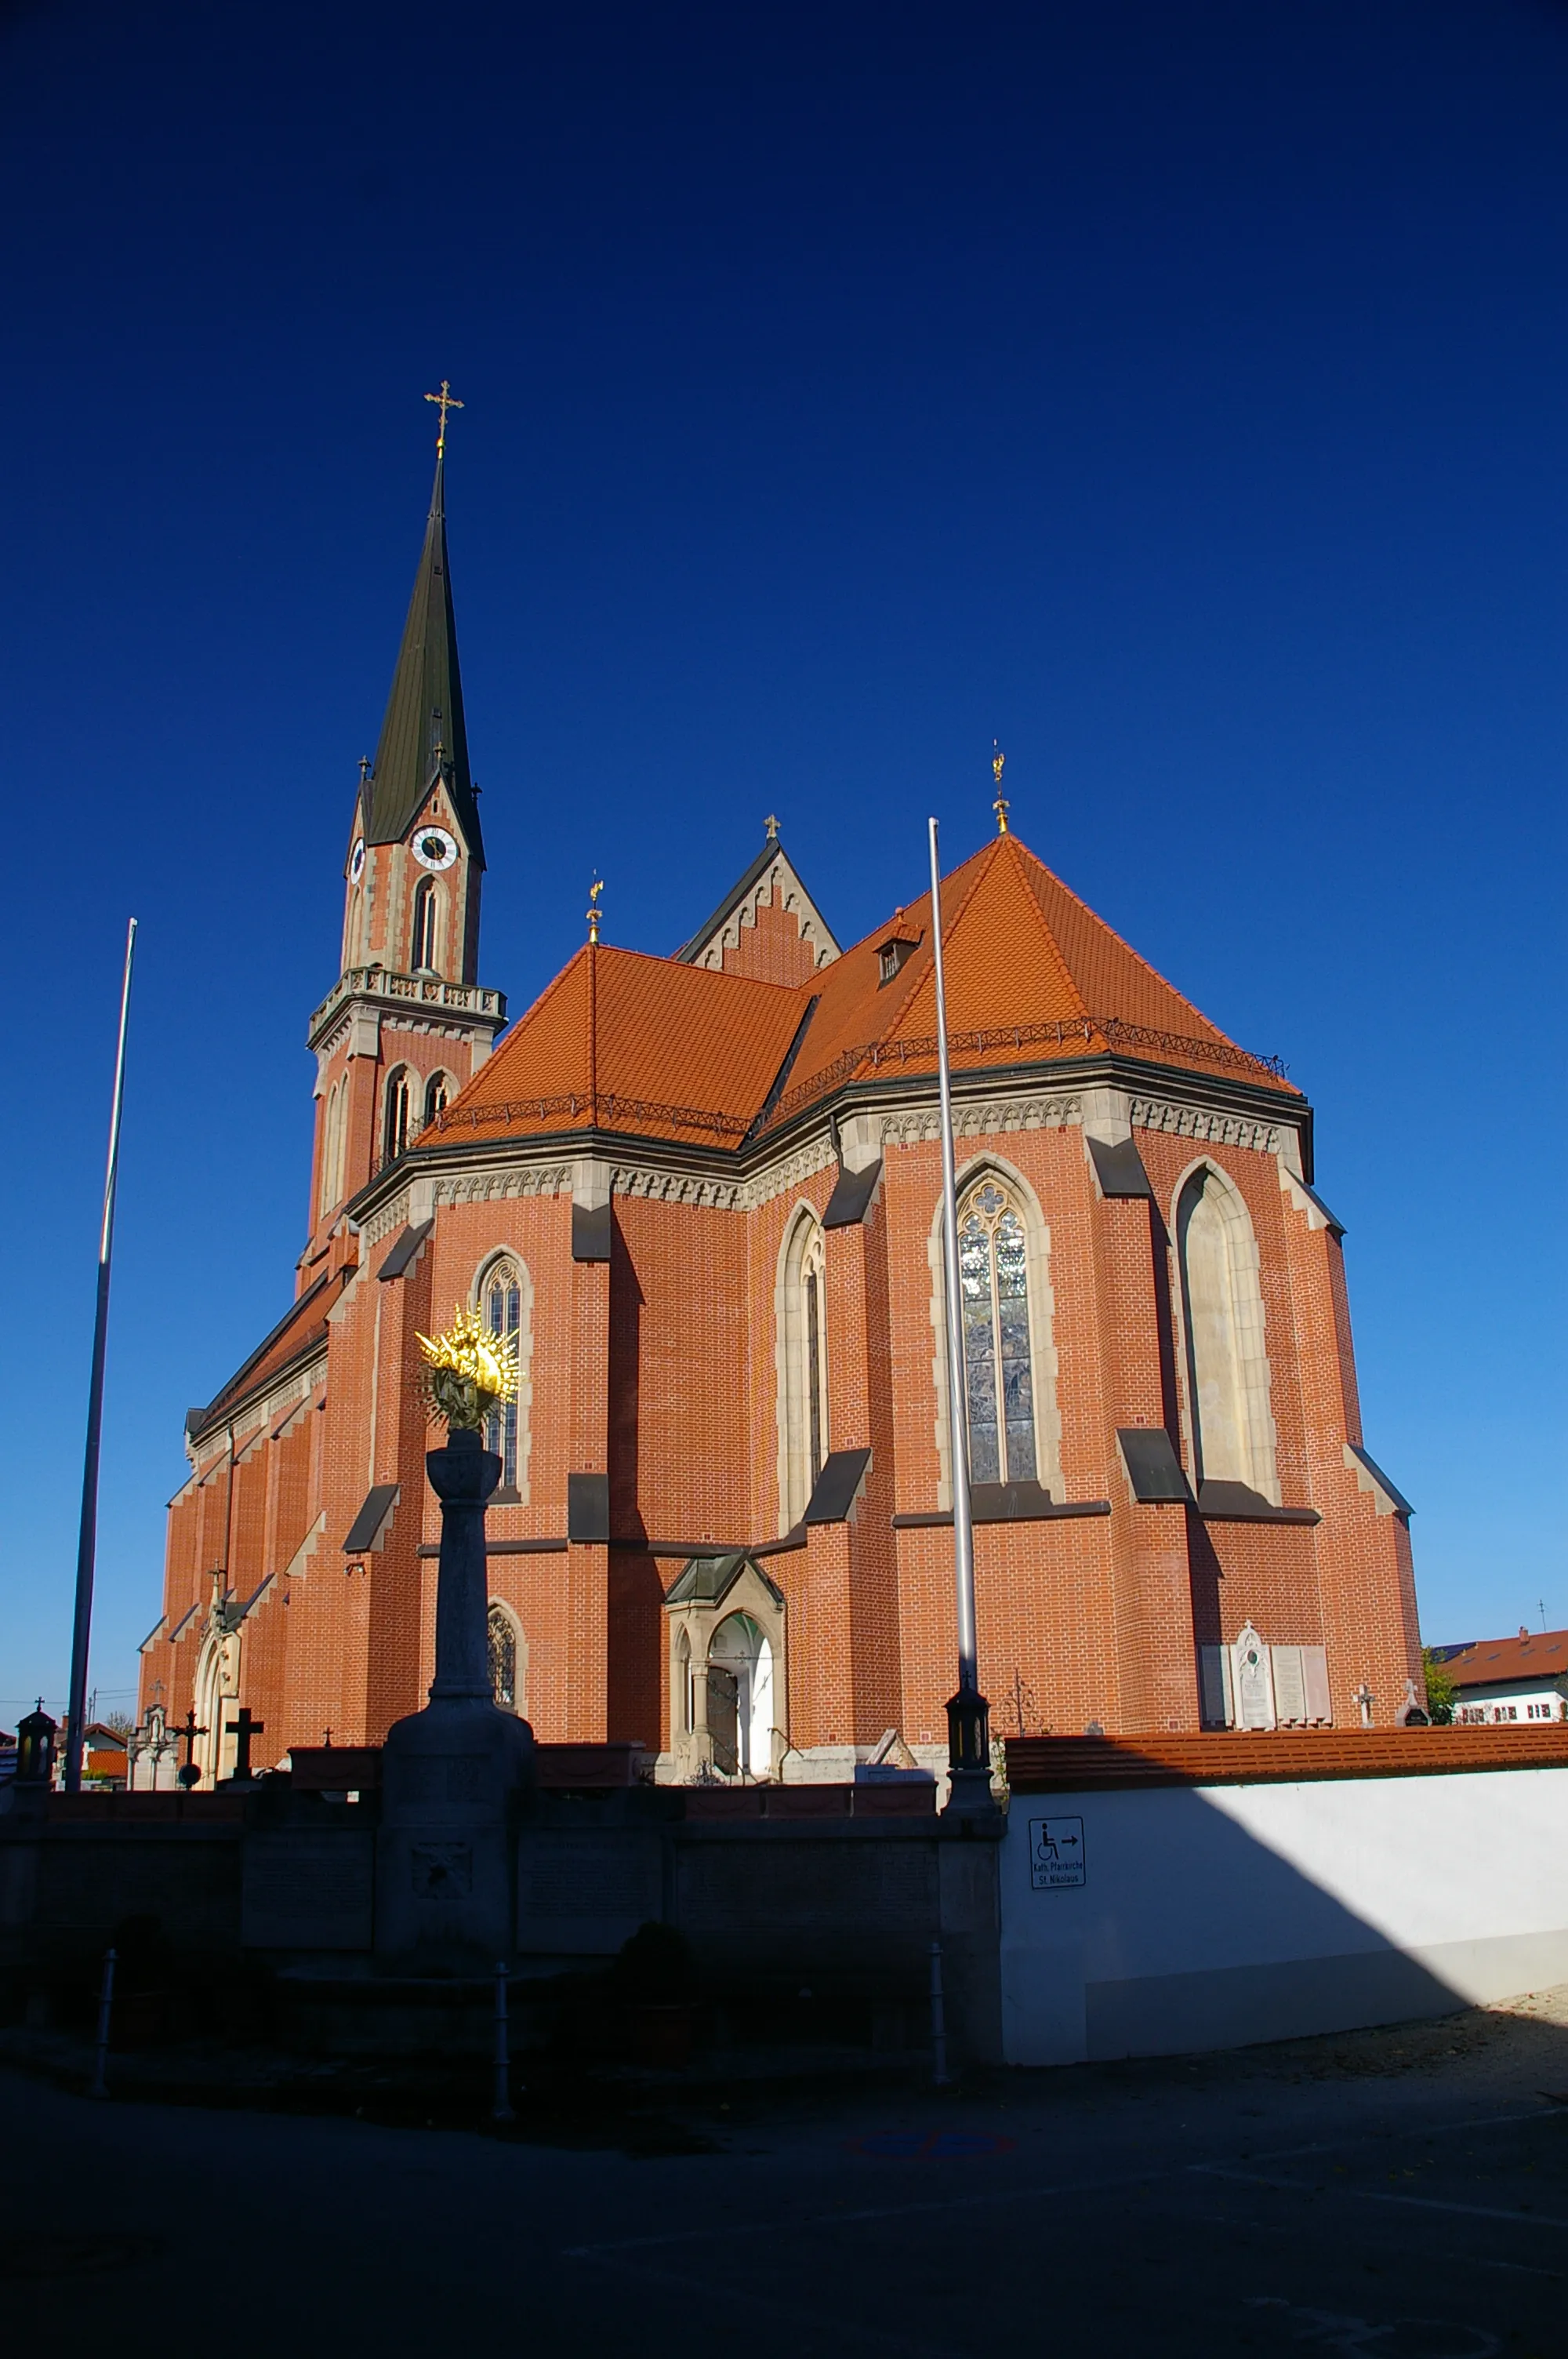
[[1173, 389]]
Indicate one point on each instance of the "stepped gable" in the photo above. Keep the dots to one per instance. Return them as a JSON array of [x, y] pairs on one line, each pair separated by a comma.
[[632, 1043], [767, 925], [1034, 977]]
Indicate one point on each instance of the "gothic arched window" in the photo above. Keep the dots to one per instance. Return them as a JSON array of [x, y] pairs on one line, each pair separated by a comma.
[[502, 1634], [399, 1112], [1228, 1363], [333, 1146], [437, 1090], [501, 1300], [998, 1377], [803, 1366], [427, 911]]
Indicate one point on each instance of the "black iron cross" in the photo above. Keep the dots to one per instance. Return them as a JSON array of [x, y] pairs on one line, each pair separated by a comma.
[[191, 1775], [242, 1730]]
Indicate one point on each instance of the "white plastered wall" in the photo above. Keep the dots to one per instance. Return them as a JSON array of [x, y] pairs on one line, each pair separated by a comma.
[[1215, 1917]]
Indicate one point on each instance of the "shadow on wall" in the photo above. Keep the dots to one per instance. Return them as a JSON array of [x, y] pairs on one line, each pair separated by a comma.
[[1161, 1920]]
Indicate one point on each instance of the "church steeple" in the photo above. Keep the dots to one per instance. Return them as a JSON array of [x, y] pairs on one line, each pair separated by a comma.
[[408, 1020], [423, 736]]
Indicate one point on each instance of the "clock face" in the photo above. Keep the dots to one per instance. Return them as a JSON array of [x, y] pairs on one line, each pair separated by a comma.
[[357, 862], [434, 848]]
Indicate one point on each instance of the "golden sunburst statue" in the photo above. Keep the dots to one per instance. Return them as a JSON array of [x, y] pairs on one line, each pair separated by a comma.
[[468, 1371]]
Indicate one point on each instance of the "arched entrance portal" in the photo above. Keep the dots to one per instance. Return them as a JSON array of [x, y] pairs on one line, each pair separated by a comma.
[[741, 1698]]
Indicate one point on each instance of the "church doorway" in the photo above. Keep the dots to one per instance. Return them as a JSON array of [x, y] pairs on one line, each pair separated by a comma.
[[741, 1698]]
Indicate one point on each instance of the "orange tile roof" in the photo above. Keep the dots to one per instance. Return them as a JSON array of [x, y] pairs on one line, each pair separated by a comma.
[[627, 1042], [650, 1046]]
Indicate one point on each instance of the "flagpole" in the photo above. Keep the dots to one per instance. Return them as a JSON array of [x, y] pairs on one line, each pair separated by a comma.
[[87, 1541], [968, 1732]]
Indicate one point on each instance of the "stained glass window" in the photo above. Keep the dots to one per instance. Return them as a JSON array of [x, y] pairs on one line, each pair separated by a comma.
[[503, 1312], [503, 1658], [1000, 1386]]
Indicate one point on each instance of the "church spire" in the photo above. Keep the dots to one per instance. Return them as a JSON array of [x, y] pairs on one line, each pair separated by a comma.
[[423, 737]]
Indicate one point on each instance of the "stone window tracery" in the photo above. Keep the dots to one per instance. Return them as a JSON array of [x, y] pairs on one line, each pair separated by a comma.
[[999, 1374], [500, 1631], [501, 1300]]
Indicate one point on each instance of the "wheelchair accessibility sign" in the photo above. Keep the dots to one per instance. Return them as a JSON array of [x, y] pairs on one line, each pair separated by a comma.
[[1055, 1854]]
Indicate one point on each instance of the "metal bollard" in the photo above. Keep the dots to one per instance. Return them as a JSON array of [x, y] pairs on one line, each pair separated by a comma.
[[939, 2079], [99, 2086], [501, 2111]]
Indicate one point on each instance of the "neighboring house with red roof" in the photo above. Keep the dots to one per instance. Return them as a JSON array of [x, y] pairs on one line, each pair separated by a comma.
[[702, 1191], [1506, 1680]]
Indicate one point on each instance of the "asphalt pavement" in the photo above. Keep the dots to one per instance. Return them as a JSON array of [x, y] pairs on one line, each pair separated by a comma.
[[1402, 2193]]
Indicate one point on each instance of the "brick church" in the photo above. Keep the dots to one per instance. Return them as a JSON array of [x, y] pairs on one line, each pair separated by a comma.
[[703, 1192]]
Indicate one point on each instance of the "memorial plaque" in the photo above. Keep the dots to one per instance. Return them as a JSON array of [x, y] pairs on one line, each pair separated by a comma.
[[307, 1889], [585, 1894], [1253, 1686], [1290, 1683], [818, 1886]]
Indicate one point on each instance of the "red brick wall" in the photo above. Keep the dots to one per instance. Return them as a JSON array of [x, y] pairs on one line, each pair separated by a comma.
[[659, 1369]]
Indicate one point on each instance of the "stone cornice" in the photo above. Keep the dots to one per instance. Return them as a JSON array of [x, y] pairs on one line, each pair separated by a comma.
[[899, 1110]]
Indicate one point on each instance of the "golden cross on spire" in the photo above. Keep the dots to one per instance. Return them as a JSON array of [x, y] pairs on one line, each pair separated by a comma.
[[998, 762], [594, 912], [444, 400]]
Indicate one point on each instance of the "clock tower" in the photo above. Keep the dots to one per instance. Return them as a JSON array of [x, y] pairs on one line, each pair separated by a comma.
[[408, 1021]]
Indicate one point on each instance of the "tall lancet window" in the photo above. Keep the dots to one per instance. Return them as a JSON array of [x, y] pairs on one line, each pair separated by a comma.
[[427, 911], [802, 1366], [399, 1113], [502, 1300], [999, 1377], [437, 1090], [1227, 1361], [502, 1633], [333, 1146]]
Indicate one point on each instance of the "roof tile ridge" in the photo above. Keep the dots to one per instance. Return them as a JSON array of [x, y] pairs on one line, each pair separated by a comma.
[[557, 982], [1120, 939], [1020, 858], [924, 988]]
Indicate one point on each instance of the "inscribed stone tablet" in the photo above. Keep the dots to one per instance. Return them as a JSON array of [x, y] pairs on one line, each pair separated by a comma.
[[307, 1889]]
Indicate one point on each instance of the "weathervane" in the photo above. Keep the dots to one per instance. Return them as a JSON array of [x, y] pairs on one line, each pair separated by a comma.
[[444, 400], [594, 912], [998, 762]]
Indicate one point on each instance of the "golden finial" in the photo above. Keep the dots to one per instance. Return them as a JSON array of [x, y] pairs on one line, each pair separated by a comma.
[[468, 1371], [594, 912], [998, 762], [444, 400], [772, 826]]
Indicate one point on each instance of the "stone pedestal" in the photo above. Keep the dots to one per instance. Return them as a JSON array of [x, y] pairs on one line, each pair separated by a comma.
[[453, 1775]]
